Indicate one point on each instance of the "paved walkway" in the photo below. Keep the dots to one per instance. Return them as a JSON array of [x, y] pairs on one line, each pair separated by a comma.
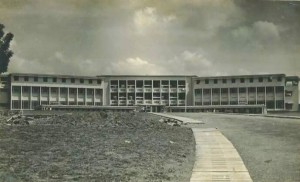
[[183, 119], [216, 157]]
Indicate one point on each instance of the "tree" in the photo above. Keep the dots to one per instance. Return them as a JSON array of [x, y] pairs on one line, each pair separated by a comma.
[[5, 53]]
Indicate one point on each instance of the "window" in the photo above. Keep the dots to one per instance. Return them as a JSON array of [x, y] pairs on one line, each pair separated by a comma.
[[63, 80], [270, 79], [35, 90], [45, 79], [16, 89], [81, 80], [54, 79], [215, 81], [242, 80], [279, 79], [16, 78], [197, 81], [224, 90], [72, 80], [99, 81], [90, 81], [35, 79], [224, 81], [25, 89], [251, 80], [242, 90], [206, 81], [288, 93], [232, 80], [233, 90], [260, 79], [251, 89], [80, 90], [26, 78]]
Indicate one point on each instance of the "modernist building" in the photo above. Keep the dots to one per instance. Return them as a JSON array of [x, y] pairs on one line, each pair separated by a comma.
[[276, 92]]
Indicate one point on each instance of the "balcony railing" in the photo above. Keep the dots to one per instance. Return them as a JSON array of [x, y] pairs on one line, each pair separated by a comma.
[[165, 90], [113, 90], [130, 102], [156, 90], [130, 90], [122, 89], [173, 102], [156, 102], [181, 102], [164, 102], [122, 102], [113, 102], [139, 89], [181, 90], [147, 101], [139, 102], [147, 89], [173, 90]]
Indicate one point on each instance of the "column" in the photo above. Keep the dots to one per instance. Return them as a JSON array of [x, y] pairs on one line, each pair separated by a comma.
[[94, 97], [256, 95], [266, 96], [40, 96], [49, 95], [169, 91], [85, 96], [275, 107], [202, 96], [21, 104], [210, 96], [30, 98], [247, 95], [238, 96], [76, 96], [58, 94], [229, 96], [220, 95], [68, 95], [11, 93]]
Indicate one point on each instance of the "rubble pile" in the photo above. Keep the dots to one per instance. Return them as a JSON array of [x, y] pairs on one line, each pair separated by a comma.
[[170, 121]]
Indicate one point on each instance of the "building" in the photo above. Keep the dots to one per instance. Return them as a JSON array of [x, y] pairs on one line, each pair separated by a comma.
[[246, 93]]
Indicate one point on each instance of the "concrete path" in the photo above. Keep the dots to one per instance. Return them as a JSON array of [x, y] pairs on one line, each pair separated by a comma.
[[217, 159], [183, 119]]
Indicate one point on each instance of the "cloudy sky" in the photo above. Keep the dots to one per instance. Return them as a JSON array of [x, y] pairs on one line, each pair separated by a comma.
[[201, 37]]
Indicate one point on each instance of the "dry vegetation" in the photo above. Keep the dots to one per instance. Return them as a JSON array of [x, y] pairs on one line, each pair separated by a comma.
[[95, 147]]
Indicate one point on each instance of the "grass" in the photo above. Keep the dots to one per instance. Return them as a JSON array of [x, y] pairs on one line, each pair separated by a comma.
[[96, 147]]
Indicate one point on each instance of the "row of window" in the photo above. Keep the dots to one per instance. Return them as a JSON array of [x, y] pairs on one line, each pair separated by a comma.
[[55, 79], [241, 80], [269, 104], [141, 83], [17, 89], [16, 104], [278, 89]]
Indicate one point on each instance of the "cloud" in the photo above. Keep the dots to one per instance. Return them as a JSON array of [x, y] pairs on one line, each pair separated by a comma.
[[147, 20], [137, 66], [258, 35]]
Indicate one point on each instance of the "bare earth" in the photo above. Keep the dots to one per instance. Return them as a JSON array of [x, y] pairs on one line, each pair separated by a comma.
[[96, 147], [269, 147]]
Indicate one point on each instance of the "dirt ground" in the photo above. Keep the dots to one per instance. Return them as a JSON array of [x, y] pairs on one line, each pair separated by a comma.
[[96, 147], [269, 147]]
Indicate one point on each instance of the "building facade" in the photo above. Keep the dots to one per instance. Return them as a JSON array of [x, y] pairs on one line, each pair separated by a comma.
[[277, 92]]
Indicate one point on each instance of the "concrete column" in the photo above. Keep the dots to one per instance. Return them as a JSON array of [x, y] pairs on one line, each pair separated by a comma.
[[220, 95], [256, 95], [49, 95], [169, 92], [247, 95], [266, 96], [30, 98], [68, 95], [58, 94], [11, 93], [229, 96], [202, 96], [275, 107], [21, 95], [238, 96], [152, 92], [284, 97], [76, 96], [94, 97], [85, 96], [40, 96], [211, 96]]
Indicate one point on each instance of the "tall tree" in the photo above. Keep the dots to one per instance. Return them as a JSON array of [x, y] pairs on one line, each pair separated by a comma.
[[5, 53]]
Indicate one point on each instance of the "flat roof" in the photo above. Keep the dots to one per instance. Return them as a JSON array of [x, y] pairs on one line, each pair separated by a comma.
[[53, 75], [146, 75], [238, 76]]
